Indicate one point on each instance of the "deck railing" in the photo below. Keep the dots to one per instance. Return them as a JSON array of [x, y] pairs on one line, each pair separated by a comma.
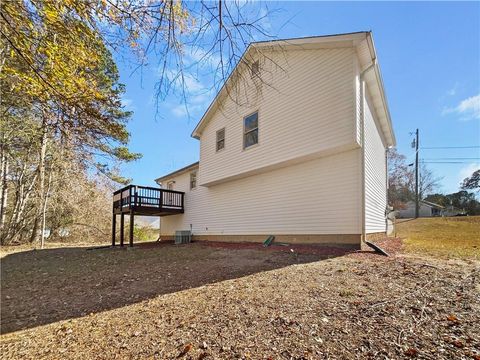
[[135, 196]]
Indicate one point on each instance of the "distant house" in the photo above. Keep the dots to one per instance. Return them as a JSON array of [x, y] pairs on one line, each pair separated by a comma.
[[451, 210], [426, 209], [303, 158]]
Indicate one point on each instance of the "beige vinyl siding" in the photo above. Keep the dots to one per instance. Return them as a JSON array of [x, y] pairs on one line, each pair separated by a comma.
[[305, 111], [375, 174], [357, 99], [319, 196]]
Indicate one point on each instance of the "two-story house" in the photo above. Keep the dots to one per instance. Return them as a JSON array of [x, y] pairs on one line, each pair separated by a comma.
[[294, 145]]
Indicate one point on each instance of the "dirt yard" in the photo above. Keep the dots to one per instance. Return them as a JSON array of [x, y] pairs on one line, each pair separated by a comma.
[[217, 302]]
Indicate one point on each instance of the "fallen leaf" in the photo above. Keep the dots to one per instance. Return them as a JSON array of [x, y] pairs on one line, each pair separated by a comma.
[[185, 350], [411, 352], [452, 318], [458, 343]]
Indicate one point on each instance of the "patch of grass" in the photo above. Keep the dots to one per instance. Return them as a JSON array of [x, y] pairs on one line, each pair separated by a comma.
[[143, 233], [456, 237]]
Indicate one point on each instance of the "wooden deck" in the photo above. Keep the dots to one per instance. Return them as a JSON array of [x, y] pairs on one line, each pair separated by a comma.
[[143, 200]]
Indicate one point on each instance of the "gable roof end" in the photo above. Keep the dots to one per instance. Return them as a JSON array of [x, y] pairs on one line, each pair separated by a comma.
[[363, 41]]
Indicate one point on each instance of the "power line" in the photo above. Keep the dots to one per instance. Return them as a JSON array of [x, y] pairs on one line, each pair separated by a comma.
[[453, 158], [452, 147], [446, 162]]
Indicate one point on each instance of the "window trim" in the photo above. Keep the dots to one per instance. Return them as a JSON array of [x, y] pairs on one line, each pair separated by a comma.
[[191, 174], [257, 129], [217, 140]]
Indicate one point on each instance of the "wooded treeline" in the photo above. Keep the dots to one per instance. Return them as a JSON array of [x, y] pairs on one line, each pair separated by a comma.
[[401, 178], [61, 113], [63, 128]]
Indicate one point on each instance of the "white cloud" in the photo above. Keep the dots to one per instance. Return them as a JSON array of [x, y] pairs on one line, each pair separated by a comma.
[[178, 83], [189, 110], [264, 16], [192, 84], [199, 99], [201, 58], [472, 105], [189, 97], [179, 110], [468, 108]]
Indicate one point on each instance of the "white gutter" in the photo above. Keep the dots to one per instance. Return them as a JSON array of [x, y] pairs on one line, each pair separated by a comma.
[[378, 74]]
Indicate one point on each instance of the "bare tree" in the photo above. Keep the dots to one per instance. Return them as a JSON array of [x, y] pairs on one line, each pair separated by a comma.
[[401, 178], [428, 182], [398, 179]]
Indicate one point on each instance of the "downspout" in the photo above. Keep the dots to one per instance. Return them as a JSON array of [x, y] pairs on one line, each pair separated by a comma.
[[362, 124], [387, 185]]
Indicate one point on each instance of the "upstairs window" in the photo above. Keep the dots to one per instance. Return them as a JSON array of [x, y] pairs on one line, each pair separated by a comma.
[[255, 69], [193, 180], [250, 130], [220, 139]]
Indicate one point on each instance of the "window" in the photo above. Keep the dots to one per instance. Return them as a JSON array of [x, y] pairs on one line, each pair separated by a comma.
[[250, 130], [255, 70], [220, 139], [193, 180]]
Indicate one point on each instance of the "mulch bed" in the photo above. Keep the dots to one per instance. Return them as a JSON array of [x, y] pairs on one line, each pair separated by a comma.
[[292, 248], [392, 245]]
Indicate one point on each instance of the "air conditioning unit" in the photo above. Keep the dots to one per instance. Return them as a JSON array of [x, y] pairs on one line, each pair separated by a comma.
[[183, 237]]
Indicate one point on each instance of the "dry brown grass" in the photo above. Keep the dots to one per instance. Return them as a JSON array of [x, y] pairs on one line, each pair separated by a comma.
[[453, 237], [74, 281]]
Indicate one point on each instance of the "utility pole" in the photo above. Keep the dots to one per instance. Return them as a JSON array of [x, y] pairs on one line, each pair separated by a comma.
[[417, 207]]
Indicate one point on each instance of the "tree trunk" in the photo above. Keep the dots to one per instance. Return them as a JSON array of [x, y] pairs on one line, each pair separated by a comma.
[[3, 188], [23, 191], [41, 184], [44, 209]]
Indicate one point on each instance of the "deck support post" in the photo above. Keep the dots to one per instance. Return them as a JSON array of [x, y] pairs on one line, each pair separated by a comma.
[[132, 225], [114, 228], [122, 232]]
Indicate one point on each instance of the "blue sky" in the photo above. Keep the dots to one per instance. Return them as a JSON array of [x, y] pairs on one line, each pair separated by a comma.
[[429, 54]]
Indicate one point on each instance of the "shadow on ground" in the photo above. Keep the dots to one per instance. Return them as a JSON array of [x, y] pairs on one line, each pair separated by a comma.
[[45, 286]]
